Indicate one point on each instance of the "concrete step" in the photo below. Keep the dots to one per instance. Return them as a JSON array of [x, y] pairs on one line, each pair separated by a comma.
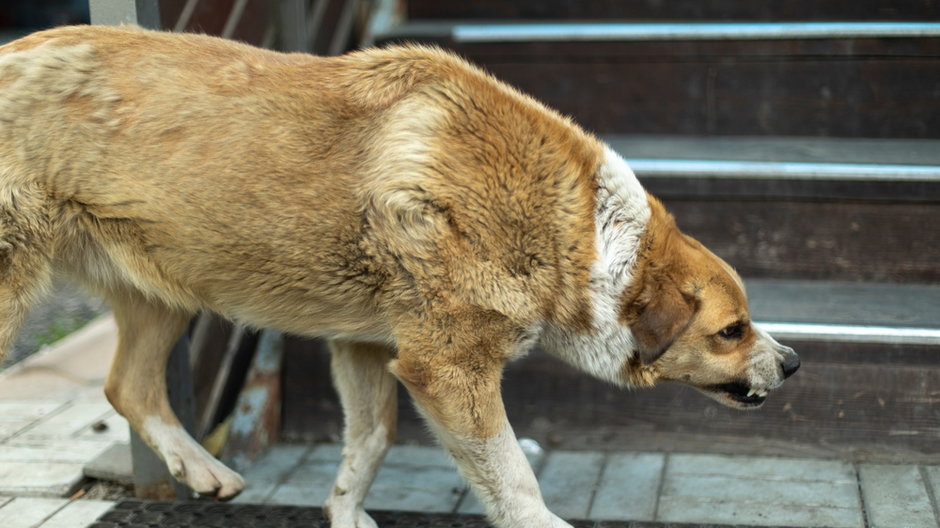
[[867, 390], [675, 10], [861, 79], [799, 207], [819, 169]]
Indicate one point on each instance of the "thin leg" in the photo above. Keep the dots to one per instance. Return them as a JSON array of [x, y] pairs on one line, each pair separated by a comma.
[[136, 387], [368, 393], [457, 389]]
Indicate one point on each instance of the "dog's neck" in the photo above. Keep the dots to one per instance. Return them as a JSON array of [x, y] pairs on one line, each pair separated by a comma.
[[621, 215]]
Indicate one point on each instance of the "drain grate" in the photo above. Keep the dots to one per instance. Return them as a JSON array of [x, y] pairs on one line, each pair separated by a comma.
[[160, 514]]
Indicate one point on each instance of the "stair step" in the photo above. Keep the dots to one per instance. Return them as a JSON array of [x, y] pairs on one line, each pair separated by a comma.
[[890, 314], [784, 167], [867, 389], [775, 208], [905, 152], [865, 80], [676, 10]]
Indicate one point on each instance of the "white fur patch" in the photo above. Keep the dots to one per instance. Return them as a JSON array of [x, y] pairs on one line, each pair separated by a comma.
[[503, 480], [621, 216], [189, 462]]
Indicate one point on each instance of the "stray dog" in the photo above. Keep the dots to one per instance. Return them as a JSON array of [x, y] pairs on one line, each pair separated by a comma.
[[430, 221]]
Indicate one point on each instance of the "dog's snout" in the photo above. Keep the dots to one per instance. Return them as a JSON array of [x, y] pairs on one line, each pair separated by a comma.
[[791, 364]]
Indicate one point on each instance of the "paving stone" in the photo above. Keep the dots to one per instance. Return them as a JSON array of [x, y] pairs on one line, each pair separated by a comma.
[[418, 456], [325, 452], [416, 478], [276, 463], [77, 514], [759, 491], [28, 512], [311, 482], [760, 467], [568, 481], [695, 510], [67, 368], [50, 479], [114, 464], [896, 496], [256, 493], [75, 451], [415, 489], [16, 415], [933, 479], [798, 493], [67, 422], [269, 471], [629, 487], [116, 429]]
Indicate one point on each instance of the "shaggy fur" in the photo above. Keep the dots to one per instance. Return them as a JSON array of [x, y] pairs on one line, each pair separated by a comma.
[[430, 221]]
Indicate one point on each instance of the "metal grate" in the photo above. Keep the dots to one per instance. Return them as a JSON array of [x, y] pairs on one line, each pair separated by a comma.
[[161, 514]]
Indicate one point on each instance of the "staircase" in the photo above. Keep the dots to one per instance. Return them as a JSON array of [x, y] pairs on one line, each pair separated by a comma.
[[798, 140]]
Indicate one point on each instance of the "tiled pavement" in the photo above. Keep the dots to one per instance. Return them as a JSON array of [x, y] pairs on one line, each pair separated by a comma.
[[677, 487], [50, 403]]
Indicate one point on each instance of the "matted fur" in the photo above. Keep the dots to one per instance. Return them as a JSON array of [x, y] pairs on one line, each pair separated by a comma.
[[431, 221]]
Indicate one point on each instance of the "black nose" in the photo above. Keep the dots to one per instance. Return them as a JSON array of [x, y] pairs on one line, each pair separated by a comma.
[[790, 365]]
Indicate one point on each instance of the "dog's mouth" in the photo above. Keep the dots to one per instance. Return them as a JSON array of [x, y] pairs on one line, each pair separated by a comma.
[[739, 395]]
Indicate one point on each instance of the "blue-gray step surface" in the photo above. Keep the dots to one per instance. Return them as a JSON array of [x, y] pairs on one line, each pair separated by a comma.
[[614, 489]]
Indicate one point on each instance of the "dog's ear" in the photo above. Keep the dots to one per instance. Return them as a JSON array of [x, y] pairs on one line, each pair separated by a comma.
[[660, 315]]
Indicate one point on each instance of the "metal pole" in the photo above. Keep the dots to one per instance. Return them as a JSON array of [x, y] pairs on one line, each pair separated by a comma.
[[144, 13]]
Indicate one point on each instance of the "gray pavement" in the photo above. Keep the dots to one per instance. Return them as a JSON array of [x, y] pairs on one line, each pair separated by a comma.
[[52, 411], [635, 486]]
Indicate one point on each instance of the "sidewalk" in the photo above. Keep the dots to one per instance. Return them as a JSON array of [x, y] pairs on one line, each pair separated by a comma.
[[54, 420]]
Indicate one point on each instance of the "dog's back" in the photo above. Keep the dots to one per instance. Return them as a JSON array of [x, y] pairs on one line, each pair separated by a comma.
[[283, 190]]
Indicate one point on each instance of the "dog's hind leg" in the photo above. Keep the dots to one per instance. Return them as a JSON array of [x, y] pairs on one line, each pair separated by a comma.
[[136, 387], [26, 240], [368, 393]]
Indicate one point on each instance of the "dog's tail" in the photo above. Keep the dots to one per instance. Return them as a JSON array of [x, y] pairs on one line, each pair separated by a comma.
[[25, 254]]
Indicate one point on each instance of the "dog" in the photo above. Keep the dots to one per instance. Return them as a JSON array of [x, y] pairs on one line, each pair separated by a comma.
[[430, 221]]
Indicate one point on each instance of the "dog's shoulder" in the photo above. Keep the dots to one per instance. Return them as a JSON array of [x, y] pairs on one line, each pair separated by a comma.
[[477, 189]]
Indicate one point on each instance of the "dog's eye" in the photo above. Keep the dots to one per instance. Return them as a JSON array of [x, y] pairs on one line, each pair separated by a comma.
[[732, 331]]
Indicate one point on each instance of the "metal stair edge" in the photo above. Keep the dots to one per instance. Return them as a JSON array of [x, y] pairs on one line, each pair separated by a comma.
[[843, 312]]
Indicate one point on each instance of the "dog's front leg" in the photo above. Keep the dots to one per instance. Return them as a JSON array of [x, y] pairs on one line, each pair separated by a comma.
[[458, 392]]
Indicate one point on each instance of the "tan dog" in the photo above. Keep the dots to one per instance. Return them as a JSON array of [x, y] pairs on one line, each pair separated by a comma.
[[430, 221]]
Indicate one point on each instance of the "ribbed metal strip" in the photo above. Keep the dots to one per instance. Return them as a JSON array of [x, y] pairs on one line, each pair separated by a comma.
[[700, 31], [852, 333], [146, 514], [784, 170]]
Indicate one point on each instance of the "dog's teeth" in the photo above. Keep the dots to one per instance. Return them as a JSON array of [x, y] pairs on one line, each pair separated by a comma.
[[751, 392], [762, 393]]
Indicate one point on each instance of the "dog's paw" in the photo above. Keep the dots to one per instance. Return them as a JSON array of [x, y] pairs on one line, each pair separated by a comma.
[[190, 464], [349, 518], [205, 475]]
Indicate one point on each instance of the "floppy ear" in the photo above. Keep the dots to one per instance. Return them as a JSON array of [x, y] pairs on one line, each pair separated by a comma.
[[661, 315]]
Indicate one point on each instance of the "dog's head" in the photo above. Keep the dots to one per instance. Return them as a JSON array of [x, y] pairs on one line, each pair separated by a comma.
[[688, 313]]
